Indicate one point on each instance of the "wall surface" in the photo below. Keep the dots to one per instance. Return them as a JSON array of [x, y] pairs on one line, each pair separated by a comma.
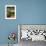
[[31, 11], [6, 26], [28, 12]]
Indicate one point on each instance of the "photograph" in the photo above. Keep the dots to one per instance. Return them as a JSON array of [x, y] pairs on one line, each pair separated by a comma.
[[10, 11]]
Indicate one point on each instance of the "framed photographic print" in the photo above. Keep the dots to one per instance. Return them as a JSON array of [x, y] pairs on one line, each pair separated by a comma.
[[10, 11]]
